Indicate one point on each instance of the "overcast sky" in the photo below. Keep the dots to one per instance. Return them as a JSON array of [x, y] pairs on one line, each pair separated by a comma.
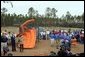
[[21, 7]]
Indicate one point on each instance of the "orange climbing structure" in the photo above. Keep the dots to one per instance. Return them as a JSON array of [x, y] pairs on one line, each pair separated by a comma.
[[29, 38], [29, 34]]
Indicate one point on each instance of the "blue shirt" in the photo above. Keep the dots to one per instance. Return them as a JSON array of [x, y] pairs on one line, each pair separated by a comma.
[[51, 36], [58, 36], [68, 37], [63, 36]]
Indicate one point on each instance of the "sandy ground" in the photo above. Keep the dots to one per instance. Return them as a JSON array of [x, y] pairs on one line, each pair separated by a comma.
[[42, 48]]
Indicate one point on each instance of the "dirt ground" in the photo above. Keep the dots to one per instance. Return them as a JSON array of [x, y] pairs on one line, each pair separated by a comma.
[[16, 29], [42, 47]]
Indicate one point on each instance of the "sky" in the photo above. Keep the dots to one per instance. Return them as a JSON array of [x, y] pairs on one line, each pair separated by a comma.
[[21, 7]]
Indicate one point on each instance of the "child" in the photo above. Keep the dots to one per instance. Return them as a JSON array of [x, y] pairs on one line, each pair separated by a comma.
[[21, 44]]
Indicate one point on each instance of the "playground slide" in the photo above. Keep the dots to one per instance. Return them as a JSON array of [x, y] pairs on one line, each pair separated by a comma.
[[29, 38]]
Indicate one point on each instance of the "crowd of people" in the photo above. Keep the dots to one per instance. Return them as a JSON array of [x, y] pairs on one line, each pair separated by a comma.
[[8, 39], [44, 35], [63, 38], [65, 52], [66, 38]]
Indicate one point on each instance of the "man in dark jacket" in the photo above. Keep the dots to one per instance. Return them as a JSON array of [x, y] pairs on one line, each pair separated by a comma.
[[69, 53], [13, 43], [62, 52]]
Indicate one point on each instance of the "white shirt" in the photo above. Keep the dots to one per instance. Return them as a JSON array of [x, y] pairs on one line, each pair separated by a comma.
[[62, 31], [47, 32], [9, 36], [44, 33], [41, 33]]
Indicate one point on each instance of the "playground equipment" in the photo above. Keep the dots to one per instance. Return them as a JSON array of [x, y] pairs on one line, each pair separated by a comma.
[[29, 34]]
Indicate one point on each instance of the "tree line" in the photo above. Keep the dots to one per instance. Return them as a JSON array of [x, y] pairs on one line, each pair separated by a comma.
[[49, 18]]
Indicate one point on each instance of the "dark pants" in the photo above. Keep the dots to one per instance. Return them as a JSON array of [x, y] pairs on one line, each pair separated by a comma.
[[5, 52], [82, 40], [44, 37], [21, 47], [13, 48]]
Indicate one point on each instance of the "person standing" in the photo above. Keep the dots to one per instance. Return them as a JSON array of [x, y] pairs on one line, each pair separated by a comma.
[[44, 35], [47, 34], [21, 44], [68, 51], [9, 38], [51, 38], [57, 40], [41, 35], [13, 43], [62, 51], [68, 41], [3, 43]]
